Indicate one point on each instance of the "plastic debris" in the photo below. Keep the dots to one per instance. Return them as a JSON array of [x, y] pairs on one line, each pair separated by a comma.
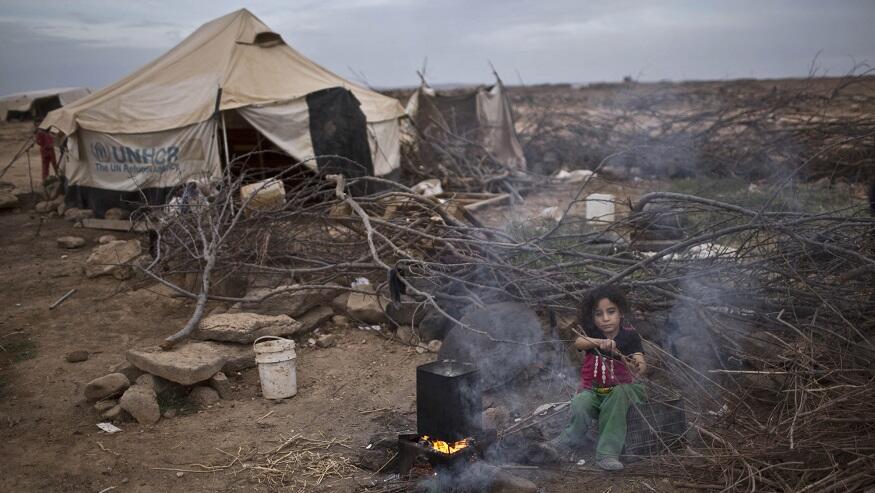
[[109, 427]]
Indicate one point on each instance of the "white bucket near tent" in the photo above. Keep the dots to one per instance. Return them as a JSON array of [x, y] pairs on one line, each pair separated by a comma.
[[600, 207], [275, 357]]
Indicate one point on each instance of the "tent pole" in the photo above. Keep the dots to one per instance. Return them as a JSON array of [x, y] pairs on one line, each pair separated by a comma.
[[225, 139]]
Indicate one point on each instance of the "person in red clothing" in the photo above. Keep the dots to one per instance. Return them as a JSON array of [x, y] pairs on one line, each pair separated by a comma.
[[614, 358], [46, 144]]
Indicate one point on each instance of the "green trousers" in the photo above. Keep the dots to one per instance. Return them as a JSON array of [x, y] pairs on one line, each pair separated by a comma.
[[610, 410]]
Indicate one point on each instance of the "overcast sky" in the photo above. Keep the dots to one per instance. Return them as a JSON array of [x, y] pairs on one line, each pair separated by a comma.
[[95, 42]]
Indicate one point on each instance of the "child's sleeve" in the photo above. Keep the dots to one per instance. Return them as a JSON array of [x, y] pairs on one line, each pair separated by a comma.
[[635, 344]]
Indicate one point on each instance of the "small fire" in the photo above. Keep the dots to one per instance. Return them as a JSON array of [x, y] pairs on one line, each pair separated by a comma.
[[444, 447]]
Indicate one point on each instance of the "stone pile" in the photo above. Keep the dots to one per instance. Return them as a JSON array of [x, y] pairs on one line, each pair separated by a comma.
[[196, 371]]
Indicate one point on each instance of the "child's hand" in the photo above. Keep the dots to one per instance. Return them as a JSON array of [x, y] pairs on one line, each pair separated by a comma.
[[607, 345]]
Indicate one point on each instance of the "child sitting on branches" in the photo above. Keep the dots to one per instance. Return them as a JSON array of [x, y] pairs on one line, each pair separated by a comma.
[[614, 358]]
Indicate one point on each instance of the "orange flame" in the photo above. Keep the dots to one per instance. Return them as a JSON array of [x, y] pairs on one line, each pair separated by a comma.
[[444, 447]]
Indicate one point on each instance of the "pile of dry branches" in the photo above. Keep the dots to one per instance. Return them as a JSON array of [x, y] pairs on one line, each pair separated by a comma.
[[751, 129], [784, 300]]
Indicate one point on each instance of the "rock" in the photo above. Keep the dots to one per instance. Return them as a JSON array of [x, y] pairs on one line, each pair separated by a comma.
[[170, 413], [340, 321], [62, 209], [116, 213], [314, 318], [434, 346], [106, 386], [112, 414], [107, 258], [326, 341], [74, 214], [103, 406], [103, 240], [221, 384], [364, 307], [293, 303], [128, 370], [405, 335], [244, 328], [141, 403], [71, 242], [76, 356], [43, 207], [204, 396], [8, 200], [156, 383], [192, 362]]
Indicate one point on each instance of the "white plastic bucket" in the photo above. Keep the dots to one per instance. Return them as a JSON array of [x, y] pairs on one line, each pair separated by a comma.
[[276, 367], [600, 207]]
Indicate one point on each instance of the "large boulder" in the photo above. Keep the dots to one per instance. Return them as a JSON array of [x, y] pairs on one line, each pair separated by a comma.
[[244, 328], [293, 303], [107, 258], [141, 402], [106, 386], [501, 344], [192, 362]]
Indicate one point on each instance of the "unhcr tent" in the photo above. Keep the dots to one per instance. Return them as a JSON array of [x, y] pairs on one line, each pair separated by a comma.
[[482, 116], [34, 105], [157, 128]]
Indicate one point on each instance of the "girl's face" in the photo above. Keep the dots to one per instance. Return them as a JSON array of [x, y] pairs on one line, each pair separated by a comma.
[[606, 317]]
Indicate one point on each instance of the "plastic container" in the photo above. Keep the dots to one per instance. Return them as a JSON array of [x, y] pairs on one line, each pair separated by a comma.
[[275, 357], [600, 207]]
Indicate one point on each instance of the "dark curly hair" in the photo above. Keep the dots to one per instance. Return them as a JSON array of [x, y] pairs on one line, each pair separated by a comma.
[[591, 301]]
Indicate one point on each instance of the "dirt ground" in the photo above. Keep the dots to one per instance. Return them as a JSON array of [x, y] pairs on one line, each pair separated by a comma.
[[364, 385]]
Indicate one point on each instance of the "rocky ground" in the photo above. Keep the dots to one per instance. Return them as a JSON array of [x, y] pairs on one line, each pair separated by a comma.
[[65, 369]]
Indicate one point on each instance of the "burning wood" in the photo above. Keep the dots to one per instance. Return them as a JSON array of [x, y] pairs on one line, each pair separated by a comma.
[[444, 447]]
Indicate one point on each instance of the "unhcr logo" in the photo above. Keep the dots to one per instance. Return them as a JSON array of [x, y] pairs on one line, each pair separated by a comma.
[[160, 156]]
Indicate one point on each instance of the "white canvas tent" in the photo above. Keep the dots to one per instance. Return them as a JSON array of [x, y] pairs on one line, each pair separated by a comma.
[[35, 104], [156, 128]]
